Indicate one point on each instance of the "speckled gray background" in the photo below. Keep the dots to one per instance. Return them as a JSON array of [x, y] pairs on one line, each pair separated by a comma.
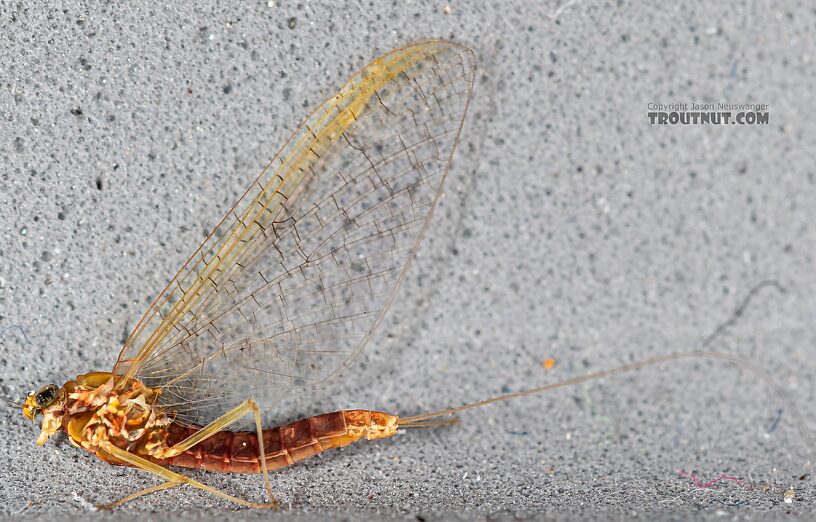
[[571, 228]]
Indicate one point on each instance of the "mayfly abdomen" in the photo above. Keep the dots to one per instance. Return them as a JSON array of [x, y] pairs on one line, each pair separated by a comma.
[[238, 452]]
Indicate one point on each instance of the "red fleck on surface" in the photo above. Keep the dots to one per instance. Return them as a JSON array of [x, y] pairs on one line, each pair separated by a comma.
[[700, 484]]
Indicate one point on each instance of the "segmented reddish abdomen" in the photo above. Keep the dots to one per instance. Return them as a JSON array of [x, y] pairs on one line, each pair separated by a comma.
[[238, 451]]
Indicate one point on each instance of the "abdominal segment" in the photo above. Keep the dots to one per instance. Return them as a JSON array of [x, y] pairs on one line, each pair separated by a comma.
[[239, 451]]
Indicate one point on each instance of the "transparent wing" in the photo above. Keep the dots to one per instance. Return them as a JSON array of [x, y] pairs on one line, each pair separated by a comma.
[[290, 285]]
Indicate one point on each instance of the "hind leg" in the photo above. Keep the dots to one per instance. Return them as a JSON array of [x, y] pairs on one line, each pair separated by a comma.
[[134, 496], [219, 424], [172, 478]]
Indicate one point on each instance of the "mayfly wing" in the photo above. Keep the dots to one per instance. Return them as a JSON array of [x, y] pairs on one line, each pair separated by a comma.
[[290, 285]]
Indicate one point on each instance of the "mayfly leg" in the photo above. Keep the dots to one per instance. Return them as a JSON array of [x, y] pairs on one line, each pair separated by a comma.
[[173, 479], [134, 496], [203, 434]]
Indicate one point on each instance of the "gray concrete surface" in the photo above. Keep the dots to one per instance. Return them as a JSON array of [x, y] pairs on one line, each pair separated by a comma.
[[571, 229]]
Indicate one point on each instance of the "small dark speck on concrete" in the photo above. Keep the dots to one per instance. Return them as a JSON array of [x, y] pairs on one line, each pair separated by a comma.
[[76, 112], [125, 330], [291, 23], [99, 183], [227, 88]]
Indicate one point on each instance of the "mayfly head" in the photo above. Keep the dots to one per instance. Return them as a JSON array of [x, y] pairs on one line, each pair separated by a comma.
[[38, 401], [50, 401]]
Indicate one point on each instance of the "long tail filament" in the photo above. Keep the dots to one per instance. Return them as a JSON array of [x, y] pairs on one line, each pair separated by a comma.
[[422, 420]]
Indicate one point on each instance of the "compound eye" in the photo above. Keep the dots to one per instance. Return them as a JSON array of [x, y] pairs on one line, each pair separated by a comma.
[[46, 396]]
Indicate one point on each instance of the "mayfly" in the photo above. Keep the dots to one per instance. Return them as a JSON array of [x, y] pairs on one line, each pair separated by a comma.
[[286, 290]]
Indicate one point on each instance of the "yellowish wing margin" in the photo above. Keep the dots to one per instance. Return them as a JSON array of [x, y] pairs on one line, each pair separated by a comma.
[[332, 223]]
